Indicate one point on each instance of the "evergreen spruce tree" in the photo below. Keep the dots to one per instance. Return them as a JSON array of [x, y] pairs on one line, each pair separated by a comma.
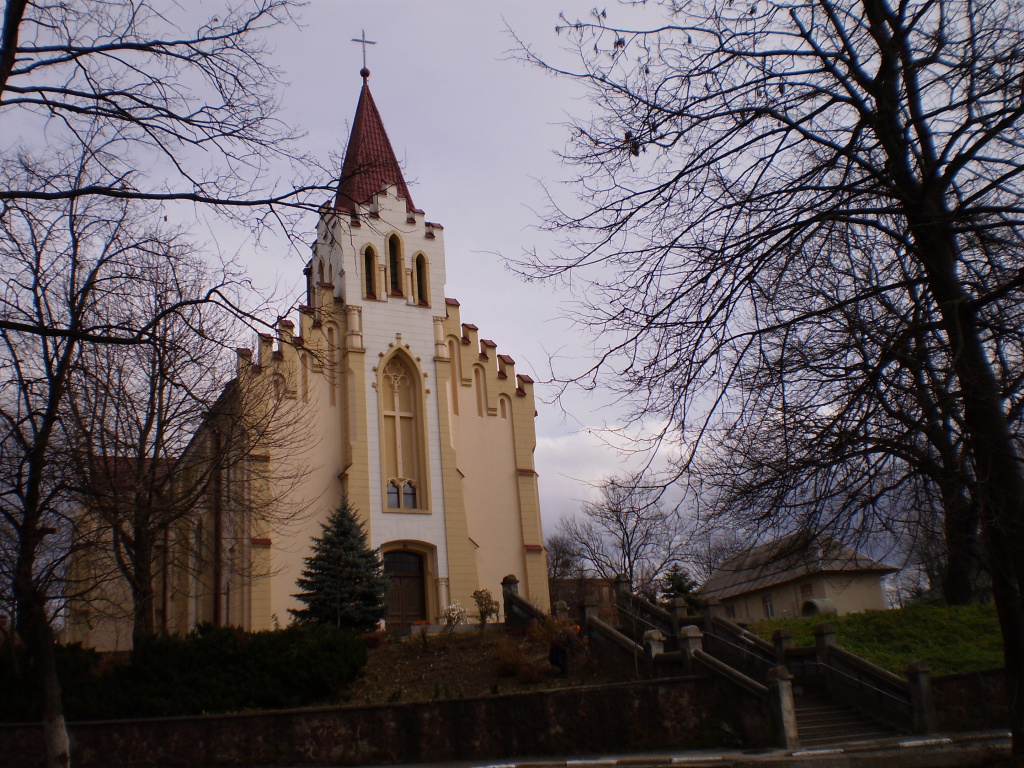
[[677, 583], [343, 582]]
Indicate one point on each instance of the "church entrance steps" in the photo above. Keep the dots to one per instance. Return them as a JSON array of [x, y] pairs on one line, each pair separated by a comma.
[[822, 720]]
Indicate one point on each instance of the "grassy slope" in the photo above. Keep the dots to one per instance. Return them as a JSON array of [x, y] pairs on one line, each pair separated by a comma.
[[952, 640]]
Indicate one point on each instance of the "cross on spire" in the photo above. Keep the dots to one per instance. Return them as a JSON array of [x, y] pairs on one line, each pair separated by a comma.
[[364, 42]]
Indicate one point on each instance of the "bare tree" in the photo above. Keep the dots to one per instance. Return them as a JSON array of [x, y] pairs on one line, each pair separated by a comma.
[[163, 441], [627, 531], [195, 102], [735, 147], [564, 558], [69, 266], [845, 425]]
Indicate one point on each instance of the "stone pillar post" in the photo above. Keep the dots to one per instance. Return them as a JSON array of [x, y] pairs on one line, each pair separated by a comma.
[[623, 586], [560, 611], [510, 584], [919, 675], [782, 639], [678, 610], [780, 687], [589, 609], [824, 638], [654, 643], [690, 639]]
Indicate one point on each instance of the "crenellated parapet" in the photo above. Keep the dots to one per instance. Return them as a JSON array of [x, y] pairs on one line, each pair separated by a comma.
[[325, 332], [476, 353]]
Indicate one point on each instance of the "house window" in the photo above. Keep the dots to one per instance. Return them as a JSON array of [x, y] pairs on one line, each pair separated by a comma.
[[730, 612], [395, 264], [769, 608], [370, 273], [401, 433], [806, 591]]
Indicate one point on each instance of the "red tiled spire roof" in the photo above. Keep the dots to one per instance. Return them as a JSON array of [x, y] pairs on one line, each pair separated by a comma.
[[370, 162]]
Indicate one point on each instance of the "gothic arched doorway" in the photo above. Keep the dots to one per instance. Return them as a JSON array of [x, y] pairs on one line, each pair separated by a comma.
[[406, 599]]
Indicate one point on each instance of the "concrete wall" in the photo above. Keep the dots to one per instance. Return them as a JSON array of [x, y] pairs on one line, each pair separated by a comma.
[[682, 713]]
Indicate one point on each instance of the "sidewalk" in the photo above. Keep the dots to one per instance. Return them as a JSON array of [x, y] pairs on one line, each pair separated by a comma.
[[961, 750]]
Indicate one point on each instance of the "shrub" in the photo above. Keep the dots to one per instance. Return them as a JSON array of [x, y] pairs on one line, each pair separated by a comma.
[[452, 616], [213, 669], [509, 657], [486, 606]]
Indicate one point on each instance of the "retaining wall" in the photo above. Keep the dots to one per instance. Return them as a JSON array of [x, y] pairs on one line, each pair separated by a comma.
[[972, 701], [680, 713]]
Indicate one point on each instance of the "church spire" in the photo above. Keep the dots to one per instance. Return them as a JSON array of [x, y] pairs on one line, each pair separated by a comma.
[[370, 162]]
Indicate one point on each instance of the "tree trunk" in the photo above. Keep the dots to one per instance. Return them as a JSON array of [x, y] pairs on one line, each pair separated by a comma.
[[142, 588], [1000, 483], [960, 521], [34, 629]]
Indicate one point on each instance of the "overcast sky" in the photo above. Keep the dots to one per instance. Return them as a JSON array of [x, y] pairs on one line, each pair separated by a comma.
[[477, 134]]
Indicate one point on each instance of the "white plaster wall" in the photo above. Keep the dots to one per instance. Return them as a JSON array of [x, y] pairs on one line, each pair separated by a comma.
[[382, 319]]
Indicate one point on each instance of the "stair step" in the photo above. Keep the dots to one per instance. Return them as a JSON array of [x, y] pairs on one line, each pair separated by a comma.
[[846, 719]]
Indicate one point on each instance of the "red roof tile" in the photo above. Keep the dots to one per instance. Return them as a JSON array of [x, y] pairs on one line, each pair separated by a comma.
[[370, 162]]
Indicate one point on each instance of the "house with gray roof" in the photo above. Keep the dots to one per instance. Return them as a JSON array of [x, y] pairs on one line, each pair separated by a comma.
[[796, 576]]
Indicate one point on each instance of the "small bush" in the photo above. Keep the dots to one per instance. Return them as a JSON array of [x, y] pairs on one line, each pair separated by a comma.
[[509, 657], [372, 640], [487, 607], [530, 672]]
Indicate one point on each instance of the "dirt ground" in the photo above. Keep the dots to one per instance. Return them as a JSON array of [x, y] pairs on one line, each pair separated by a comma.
[[462, 665]]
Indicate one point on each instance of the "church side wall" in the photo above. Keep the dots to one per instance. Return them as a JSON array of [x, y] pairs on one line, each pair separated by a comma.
[[494, 440]]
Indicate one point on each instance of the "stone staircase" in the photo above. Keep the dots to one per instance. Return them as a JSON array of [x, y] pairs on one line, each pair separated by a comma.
[[821, 720]]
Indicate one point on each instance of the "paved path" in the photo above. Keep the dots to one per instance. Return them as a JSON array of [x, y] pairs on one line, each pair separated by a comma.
[[962, 750]]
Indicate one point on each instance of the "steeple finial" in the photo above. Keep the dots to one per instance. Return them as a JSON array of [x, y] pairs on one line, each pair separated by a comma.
[[370, 164], [364, 72]]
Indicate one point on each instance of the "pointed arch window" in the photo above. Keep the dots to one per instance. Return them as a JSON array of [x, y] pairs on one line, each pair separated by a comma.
[[456, 377], [395, 265], [422, 294], [369, 273], [402, 439], [480, 384]]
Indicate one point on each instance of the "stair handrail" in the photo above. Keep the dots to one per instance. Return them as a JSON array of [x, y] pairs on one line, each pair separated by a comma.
[[733, 675], [751, 646], [872, 687], [609, 631], [763, 646], [860, 683], [898, 687], [654, 611]]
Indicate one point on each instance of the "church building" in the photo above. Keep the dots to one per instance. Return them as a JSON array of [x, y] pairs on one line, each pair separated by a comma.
[[404, 409]]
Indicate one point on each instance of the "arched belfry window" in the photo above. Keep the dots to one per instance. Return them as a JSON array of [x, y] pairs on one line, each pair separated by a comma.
[[422, 292], [402, 441], [369, 273], [395, 265]]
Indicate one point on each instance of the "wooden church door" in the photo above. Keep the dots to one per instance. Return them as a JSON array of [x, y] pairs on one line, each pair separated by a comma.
[[406, 599]]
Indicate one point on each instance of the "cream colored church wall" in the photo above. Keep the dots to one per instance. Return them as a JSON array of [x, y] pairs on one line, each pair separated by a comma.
[[305, 468], [486, 459], [494, 439]]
